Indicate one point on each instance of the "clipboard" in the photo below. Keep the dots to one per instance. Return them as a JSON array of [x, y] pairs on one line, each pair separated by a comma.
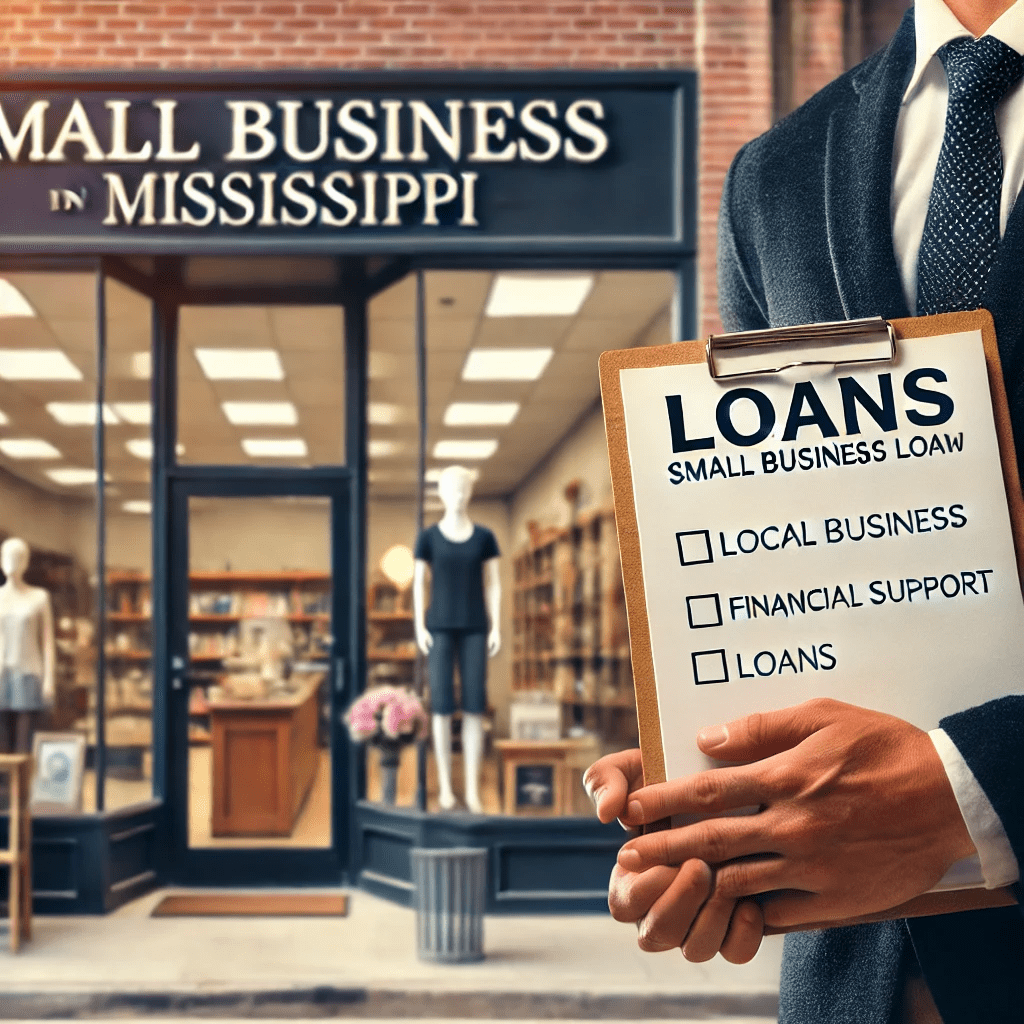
[[778, 350]]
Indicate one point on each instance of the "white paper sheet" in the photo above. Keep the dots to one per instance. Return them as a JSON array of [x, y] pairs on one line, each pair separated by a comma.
[[922, 620]]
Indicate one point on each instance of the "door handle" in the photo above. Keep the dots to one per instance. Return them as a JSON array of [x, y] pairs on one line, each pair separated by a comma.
[[339, 675]]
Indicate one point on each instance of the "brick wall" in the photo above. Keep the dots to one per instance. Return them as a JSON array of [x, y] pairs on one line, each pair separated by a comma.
[[817, 45], [728, 41]]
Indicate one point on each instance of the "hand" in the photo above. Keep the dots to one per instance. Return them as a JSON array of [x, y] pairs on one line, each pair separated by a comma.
[[493, 643], [857, 814], [424, 639], [672, 906]]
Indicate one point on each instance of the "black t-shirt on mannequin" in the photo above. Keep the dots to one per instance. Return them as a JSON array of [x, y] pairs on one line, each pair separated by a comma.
[[456, 578]]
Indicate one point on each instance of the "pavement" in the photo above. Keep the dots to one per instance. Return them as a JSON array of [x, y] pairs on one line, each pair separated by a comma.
[[566, 967]]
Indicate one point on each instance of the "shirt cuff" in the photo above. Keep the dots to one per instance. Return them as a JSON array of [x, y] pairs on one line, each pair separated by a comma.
[[995, 864]]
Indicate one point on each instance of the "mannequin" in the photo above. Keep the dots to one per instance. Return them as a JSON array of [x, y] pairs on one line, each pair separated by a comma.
[[462, 623], [27, 650]]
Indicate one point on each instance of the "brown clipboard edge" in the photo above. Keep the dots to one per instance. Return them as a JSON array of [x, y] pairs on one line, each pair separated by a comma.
[[648, 717]]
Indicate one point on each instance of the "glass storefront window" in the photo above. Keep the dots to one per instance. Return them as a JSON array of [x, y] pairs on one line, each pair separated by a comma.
[[129, 584], [513, 397], [48, 500], [391, 658], [261, 385]]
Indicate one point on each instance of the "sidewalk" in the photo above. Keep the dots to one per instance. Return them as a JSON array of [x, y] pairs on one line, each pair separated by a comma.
[[365, 965]]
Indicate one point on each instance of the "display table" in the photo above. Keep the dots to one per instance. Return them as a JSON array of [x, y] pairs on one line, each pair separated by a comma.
[[537, 774], [265, 758]]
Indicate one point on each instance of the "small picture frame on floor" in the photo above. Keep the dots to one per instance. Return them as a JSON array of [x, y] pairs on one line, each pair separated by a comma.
[[59, 764]]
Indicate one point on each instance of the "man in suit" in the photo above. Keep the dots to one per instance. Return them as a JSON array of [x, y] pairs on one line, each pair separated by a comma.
[[865, 201]]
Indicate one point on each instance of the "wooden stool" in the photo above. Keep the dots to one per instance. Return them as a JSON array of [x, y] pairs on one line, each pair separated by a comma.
[[18, 855]]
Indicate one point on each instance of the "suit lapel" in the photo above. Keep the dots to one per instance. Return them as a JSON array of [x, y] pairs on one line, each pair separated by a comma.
[[858, 183], [1004, 299]]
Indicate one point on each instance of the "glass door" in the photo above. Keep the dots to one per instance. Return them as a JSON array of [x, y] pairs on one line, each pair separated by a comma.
[[259, 621]]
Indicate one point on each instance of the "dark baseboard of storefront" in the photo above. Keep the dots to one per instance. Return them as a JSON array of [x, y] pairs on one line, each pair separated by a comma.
[[535, 865], [95, 863], [91, 863], [396, 1003]]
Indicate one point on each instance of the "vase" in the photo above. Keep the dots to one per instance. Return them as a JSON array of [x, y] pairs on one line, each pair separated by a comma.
[[390, 756]]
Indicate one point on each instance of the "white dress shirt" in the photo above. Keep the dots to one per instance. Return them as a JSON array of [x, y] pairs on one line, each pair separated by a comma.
[[919, 132]]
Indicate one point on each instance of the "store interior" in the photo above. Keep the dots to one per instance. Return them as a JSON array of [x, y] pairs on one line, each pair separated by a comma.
[[512, 395]]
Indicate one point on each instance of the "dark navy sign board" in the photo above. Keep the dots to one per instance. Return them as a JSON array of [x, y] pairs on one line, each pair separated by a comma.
[[595, 162]]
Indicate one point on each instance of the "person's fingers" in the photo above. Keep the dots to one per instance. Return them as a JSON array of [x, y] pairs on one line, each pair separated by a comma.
[[706, 936], [792, 908], [766, 733], [609, 782], [714, 841], [746, 929], [665, 925], [632, 895], [704, 794]]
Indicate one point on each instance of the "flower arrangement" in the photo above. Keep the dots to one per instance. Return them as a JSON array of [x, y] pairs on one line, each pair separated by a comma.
[[386, 716]]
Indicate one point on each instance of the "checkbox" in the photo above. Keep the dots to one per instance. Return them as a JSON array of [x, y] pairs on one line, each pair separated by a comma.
[[703, 610], [709, 667], [694, 547]]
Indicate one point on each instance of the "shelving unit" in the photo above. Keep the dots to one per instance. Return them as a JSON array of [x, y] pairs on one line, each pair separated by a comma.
[[219, 603], [390, 635], [570, 638]]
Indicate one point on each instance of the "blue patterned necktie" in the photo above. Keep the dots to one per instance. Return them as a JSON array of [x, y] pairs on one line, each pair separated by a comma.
[[961, 231]]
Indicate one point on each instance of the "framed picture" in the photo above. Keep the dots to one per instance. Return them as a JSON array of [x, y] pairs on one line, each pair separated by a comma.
[[535, 787], [57, 776]]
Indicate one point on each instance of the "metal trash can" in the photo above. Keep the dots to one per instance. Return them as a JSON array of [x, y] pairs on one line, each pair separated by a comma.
[[450, 888]]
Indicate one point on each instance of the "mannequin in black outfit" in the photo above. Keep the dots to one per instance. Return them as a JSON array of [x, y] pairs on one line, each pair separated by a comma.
[[462, 623]]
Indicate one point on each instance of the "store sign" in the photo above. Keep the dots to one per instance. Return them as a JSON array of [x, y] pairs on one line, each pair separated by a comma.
[[136, 169]]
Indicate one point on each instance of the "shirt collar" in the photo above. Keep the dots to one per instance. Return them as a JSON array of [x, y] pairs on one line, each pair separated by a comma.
[[935, 25]]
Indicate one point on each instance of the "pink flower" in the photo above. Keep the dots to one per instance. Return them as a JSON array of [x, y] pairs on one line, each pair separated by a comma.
[[386, 712]]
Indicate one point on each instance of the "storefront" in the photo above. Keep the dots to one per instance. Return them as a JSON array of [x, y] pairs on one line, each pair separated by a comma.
[[266, 311]]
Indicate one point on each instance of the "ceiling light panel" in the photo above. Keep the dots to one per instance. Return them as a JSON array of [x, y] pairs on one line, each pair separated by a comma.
[[532, 295], [138, 414], [37, 364], [240, 363], [263, 414], [12, 302], [433, 474], [79, 414], [384, 414], [506, 363], [142, 448], [275, 447], [480, 414], [465, 449], [383, 449], [28, 448], [69, 476], [138, 507], [142, 365]]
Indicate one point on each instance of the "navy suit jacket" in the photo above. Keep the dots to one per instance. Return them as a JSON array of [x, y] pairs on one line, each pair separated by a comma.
[[805, 236]]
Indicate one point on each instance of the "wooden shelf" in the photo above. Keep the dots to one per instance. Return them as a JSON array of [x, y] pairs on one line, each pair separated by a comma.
[[389, 616], [388, 656], [228, 577], [570, 629]]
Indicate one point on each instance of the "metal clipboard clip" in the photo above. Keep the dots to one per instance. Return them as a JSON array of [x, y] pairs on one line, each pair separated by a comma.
[[841, 342]]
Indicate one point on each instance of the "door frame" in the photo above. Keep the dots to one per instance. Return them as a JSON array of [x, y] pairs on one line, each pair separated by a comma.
[[258, 866]]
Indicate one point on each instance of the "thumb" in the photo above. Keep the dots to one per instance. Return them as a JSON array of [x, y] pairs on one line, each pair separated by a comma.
[[766, 733]]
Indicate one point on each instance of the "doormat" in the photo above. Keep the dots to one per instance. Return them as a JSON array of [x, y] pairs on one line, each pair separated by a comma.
[[236, 904]]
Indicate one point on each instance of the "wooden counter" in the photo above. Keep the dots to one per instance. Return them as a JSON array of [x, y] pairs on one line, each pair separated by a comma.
[[265, 758]]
